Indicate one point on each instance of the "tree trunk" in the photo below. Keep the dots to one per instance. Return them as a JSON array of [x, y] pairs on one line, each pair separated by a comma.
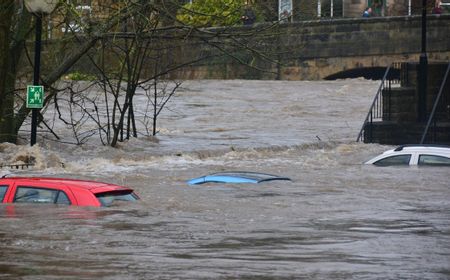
[[6, 90], [119, 127]]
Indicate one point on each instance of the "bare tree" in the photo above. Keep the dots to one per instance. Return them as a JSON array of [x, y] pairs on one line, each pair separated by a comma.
[[158, 95], [15, 28], [131, 47]]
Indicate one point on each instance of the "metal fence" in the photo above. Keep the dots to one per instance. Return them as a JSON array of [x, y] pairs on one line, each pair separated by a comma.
[[349, 9], [380, 107]]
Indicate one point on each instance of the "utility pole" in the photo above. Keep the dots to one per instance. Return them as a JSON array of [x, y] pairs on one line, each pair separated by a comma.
[[423, 68]]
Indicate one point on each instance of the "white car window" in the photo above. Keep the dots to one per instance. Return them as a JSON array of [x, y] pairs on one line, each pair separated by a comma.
[[433, 160], [394, 160]]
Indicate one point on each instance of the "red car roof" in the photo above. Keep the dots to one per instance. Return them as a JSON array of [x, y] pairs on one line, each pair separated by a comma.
[[93, 186]]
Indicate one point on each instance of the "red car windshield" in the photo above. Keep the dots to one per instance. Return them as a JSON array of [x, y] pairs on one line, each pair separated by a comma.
[[108, 198]]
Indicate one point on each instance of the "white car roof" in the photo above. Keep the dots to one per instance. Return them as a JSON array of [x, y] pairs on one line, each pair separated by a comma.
[[422, 148], [407, 149]]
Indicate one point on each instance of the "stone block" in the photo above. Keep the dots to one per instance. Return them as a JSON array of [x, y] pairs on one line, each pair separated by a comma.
[[399, 104]]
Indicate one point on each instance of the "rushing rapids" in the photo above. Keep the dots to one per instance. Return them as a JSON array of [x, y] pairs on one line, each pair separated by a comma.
[[336, 219]]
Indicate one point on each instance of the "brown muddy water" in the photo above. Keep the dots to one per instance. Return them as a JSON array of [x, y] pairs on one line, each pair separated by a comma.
[[337, 219]]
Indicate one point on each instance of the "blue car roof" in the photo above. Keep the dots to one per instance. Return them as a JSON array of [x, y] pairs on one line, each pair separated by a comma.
[[236, 177]]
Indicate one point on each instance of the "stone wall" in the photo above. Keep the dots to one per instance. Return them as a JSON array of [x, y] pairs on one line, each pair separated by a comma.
[[316, 49], [400, 104], [308, 50]]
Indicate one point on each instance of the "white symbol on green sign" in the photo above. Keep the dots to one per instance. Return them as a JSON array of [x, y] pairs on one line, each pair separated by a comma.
[[35, 97]]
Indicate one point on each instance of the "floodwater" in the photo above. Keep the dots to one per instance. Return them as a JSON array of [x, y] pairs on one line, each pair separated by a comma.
[[337, 219]]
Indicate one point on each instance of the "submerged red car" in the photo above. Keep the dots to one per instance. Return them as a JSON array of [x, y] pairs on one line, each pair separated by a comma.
[[62, 191]]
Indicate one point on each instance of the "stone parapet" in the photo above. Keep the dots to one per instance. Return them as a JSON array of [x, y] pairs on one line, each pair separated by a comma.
[[312, 50], [306, 50]]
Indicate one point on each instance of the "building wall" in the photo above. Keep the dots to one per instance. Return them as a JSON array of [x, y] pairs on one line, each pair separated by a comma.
[[308, 9], [354, 8]]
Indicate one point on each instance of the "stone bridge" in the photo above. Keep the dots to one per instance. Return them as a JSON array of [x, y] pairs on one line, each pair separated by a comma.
[[326, 49]]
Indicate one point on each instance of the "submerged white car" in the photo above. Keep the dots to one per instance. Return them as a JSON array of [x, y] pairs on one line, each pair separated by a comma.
[[429, 155]]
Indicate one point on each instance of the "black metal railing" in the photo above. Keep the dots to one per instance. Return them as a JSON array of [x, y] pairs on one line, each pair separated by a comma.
[[380, 108], [432, 118], [17, 165]]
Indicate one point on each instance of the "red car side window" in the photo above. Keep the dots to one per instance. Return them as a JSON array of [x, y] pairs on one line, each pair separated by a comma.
[[3, 190], [40, 195], [62, 198]]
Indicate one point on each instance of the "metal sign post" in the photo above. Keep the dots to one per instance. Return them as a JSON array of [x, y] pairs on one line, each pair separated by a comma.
[[39, 8], [36, 91]]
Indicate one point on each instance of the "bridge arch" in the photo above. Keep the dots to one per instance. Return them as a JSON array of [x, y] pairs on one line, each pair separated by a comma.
[[370, 73]]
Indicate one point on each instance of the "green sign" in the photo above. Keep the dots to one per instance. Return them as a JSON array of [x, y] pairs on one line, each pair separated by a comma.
[[35, 97]]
